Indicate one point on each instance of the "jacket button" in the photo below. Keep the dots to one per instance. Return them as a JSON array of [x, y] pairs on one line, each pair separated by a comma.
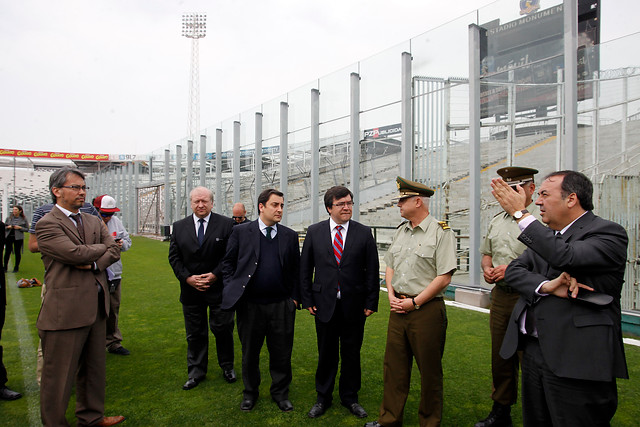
[[249, 275]]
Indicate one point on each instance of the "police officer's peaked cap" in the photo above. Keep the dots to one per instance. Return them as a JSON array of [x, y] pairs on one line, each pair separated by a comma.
[[408, 188], [513, 175]]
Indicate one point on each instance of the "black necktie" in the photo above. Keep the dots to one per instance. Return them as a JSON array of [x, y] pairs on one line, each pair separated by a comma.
[[269, 232], [201, 231], [78, 219]]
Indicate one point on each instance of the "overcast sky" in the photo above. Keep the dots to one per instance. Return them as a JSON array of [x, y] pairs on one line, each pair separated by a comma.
[[112, 76]]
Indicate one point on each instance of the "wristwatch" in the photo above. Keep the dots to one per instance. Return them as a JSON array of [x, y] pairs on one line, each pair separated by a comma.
[[416, 306], [519, 214]]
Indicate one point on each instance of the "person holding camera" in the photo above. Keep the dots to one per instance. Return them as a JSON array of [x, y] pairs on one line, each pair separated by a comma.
[[106, 205]]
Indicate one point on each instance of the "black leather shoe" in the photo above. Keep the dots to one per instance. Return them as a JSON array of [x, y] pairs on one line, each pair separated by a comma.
[[357, 410], [229, 375], [373, 424], [119, 351], [500, 416], [247, 404], [318, 410], [192, 383], [285, 405], [8, 394]]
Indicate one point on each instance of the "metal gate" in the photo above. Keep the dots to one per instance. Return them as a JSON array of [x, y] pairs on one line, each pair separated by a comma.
[[619, 201], [150, 210]]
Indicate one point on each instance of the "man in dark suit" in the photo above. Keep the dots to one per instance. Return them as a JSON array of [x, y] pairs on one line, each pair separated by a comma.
[[198, 244], [567, 319], [339, 278], [76, 250], [5, 392], [261, 275]]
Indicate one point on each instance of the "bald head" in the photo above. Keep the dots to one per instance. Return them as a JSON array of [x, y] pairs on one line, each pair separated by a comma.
[[239, 212]]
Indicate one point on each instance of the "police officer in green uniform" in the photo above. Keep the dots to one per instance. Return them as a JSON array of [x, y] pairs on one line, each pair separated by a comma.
[[499, 248], [420, 263]]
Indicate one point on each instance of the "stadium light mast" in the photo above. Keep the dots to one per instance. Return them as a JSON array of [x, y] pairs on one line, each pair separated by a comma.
[[194, 27]]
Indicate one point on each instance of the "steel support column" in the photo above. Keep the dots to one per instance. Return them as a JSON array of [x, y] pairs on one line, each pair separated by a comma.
[[474, 155]]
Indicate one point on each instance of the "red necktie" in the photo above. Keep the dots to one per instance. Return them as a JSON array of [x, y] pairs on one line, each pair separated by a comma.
[[338, 244]]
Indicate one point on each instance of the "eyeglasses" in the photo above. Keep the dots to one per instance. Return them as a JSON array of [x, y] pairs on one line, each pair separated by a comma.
[[75, 187], [106, 214], [343, 204], [237, 217]]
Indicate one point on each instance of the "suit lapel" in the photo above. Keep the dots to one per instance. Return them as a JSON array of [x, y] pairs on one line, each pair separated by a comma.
[[349, 237], [577, 227], [193, 234], [210, 229], [66, 222], [254, 235], [281, 245], [325, 236]]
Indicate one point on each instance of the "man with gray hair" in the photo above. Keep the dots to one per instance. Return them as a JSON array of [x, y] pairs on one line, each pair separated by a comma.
[[198, 244]]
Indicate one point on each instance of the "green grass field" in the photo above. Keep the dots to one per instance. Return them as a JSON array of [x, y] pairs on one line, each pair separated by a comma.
[[146, 387]]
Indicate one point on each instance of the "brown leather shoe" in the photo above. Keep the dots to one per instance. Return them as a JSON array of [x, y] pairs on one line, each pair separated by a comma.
[[111, 421]]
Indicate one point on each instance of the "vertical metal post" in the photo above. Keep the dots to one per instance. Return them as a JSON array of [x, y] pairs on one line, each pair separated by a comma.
[[595, 128], [203, 160], [130, 199], [284, 156], [474, 155], [625, 114], [315, 155], [189, 166], [406, 153], [136, 183], [511, 108], [236, 161], [447, 142], [218, 194], [355, 144], [570, 10], [561, 121], [258, 159], [167, 188], [179, 212]]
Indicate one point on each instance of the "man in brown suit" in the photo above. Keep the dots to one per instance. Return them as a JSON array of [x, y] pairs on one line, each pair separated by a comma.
[[72, 321]]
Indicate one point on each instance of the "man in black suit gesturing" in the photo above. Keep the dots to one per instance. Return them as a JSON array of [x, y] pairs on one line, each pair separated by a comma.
[[261, 274], [567, 319], [339, 286], [198, 244]]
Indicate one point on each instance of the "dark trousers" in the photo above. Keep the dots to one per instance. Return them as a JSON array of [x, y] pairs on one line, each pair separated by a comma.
[[339, 339], [504, 371], [275, 322], [549, 400], [114, 336], [16, 245], [74, 356], [420, 334], [195, 324], [3, 370]]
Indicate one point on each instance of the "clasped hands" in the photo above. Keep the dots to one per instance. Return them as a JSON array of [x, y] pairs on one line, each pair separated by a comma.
[[400, 305], [494, 274], [201, 282], [563, 286]]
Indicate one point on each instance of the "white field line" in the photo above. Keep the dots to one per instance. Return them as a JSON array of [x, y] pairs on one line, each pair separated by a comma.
[[28, 353]]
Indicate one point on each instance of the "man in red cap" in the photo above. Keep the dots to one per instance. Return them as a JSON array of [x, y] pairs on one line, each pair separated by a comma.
[[106, 205]]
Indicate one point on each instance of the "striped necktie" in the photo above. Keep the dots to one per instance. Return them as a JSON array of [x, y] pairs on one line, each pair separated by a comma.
[[338, 244]]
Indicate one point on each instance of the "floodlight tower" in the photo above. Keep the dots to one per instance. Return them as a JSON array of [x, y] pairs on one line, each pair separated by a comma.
[[194, 26]]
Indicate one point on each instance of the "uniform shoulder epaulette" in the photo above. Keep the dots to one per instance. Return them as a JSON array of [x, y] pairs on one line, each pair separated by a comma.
[[444, 225], [401, 224]]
